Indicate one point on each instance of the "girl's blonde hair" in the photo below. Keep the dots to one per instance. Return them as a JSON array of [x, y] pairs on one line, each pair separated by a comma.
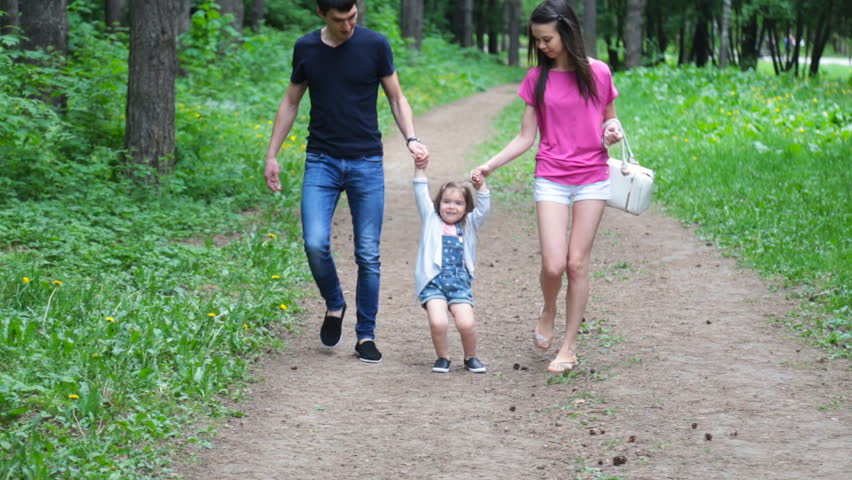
[[467, 192]]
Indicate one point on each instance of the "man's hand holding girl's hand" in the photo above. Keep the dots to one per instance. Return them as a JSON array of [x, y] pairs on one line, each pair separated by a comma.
[[420, 153]]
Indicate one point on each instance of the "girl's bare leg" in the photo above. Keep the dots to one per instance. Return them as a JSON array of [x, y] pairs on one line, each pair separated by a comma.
[[463, 314], [436, 310], [584, 226], [553, 223]]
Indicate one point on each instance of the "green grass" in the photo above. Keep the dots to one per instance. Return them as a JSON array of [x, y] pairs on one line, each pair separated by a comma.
[[757, 163], [128, 311], [827, 71]]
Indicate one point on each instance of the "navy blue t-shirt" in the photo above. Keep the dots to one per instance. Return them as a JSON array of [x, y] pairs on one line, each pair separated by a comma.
[[343, 84]]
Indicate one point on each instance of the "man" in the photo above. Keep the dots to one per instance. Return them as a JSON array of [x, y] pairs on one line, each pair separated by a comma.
[[342, 66]]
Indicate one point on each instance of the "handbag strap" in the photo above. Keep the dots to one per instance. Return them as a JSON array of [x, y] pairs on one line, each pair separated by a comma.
[[626, 152]]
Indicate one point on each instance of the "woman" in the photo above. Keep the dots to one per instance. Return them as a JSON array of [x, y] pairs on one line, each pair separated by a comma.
[[570, 103]]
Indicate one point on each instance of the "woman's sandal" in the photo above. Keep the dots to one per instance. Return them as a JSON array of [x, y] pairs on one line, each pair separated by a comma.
[[560, 367], [541, 342]]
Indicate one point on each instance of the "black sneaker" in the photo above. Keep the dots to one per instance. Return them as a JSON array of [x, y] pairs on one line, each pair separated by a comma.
[[367, 352], [442, 365], [331, 330], [473, 364]]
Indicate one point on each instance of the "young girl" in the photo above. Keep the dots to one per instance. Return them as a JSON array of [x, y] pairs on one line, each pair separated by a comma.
[[445, 262], [570, 103]]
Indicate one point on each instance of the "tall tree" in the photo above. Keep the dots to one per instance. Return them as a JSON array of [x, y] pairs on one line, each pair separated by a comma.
[[44, 24], [724, 45], [514, 32], [362, 12], [9, 17], [467, 23], [493, 19], [590, 27], [633, 33], [150, 126], [115, 13], [235, 8], [256, 15], [411, 21], [184, 16]]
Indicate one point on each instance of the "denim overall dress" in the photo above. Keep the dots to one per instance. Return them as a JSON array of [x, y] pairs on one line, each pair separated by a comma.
[[453, 283]]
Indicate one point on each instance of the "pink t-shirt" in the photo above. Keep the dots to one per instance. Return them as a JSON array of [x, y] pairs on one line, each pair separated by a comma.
[[570, 149]]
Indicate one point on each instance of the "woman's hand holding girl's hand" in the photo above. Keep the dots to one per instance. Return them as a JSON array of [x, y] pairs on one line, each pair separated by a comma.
[[612, 132], [477, 179]]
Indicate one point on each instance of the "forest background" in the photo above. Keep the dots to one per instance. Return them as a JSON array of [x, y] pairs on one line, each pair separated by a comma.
[[145, 266]]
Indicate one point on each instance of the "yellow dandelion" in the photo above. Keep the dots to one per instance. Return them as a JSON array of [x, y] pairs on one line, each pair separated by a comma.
[[257, 127], [694, 158], [815, 100], [26, 279], [283, 307], [269, 122], [197, 115], [211, 314], [57, 283], [259, 135], [73, 396], [714, 139], [271, 235], [110, 319], [292, 138], [777, 110], [245, 326], [95, 355], [730, 113], [733, 92], [686, 140], [275, 277], [801, 130]]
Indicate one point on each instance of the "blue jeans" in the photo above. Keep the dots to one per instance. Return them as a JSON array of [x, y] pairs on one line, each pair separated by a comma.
[[363, 180]]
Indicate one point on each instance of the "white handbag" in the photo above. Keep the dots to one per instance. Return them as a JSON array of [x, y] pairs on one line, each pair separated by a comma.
[[631, 185]]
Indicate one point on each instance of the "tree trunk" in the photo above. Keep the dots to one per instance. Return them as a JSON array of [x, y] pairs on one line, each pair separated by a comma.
[[633, 33], [701, 43], [793, 62], [726, 27], [45, 25], [257, 8], [467, 23], [362, 12], [492, 21], [184, 16], [750, 48], [590, 27], [115, 13], [150, 126], [479, 23], [9, 21], [235, 8], [514, 32], [821, 35], [412, 21]]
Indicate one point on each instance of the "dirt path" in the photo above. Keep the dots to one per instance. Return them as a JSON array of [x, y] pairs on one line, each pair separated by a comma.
[[683, 375]]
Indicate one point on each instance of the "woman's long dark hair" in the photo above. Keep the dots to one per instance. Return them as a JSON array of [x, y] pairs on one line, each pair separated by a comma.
[[568, 26]]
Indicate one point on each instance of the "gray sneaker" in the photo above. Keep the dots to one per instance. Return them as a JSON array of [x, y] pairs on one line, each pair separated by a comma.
[[473, 364], [442, 365]]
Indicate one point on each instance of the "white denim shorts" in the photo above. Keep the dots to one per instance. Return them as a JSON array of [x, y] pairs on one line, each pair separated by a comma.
[[549, 191]]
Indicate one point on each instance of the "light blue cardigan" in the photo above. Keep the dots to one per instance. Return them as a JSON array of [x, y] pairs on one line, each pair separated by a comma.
[[429, 255]]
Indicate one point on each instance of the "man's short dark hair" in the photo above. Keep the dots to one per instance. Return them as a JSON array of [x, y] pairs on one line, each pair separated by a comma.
[[339, 5]]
